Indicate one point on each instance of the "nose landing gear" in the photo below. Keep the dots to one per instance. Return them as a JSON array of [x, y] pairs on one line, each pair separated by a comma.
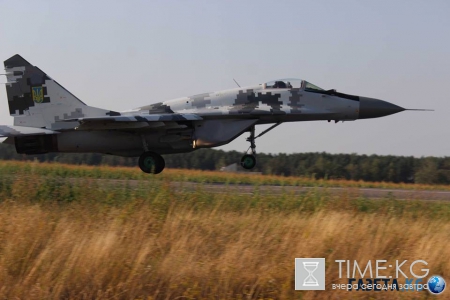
[[248, 161]]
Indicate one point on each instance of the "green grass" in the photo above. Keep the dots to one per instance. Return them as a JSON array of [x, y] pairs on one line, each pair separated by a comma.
[[8, 168], [36, 183]]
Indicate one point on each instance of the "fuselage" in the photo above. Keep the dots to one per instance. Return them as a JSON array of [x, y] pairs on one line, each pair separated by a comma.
[[228, 113], [268, 105]]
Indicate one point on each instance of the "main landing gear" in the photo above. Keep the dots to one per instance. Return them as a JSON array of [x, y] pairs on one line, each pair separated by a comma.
[[151, 162], [248, 161]]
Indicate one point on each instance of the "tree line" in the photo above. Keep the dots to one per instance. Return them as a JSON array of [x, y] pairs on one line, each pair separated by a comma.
[[407, 169]]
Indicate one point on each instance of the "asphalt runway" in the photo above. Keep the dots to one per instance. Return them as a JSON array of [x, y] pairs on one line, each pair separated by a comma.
[[370, 193]]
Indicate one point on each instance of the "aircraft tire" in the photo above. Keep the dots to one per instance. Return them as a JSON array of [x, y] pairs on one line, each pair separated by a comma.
[[151, 162], [248, 161]]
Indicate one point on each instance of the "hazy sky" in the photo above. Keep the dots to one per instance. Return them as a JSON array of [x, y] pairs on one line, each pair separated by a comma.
[[124, 54]]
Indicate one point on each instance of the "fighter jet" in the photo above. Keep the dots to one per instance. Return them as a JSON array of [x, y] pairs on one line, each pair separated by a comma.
[[48, 118]]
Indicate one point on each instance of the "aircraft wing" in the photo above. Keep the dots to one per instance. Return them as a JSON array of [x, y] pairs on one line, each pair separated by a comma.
[[11, 131]]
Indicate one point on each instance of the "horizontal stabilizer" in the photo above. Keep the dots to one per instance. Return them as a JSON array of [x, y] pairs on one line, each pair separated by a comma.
[[11, 131]]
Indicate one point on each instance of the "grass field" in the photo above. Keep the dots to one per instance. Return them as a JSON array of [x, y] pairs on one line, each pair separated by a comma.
[[126, 173], [66, 235]]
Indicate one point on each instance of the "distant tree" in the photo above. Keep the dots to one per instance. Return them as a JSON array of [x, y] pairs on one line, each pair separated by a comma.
[[428, 171]]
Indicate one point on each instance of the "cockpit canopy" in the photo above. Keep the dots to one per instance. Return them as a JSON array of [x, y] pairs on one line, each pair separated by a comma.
[[289, 83]]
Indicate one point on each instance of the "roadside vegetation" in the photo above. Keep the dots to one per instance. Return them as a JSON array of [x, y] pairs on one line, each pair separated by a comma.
[[65, 234], [369, 168], [57, 170]]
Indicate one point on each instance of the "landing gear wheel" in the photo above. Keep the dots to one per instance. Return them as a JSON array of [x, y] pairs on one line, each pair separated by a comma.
[[248, 161], [151, 162]]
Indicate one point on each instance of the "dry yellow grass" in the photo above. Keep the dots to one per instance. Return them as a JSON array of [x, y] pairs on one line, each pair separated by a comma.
[[127, 253], [66, 239]]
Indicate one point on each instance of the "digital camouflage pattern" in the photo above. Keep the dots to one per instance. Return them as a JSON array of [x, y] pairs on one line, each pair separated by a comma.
[[41, 106]]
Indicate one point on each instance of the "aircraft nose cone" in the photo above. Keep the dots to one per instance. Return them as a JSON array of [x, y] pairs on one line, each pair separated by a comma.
[[374, 108]]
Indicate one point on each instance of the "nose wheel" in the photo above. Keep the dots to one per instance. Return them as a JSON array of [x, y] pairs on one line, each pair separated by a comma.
[[248, 161]]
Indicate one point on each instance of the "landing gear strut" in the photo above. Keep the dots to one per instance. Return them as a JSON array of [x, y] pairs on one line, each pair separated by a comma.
[[151, 162], [248, 161]]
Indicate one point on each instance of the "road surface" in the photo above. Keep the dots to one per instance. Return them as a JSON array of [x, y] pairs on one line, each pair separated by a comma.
[[371, 193]]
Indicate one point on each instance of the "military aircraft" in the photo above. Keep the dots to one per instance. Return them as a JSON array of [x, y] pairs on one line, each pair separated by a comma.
[[48, 118]]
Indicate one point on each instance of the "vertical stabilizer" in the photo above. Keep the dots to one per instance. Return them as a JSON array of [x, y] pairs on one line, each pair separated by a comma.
[[36, 100]]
